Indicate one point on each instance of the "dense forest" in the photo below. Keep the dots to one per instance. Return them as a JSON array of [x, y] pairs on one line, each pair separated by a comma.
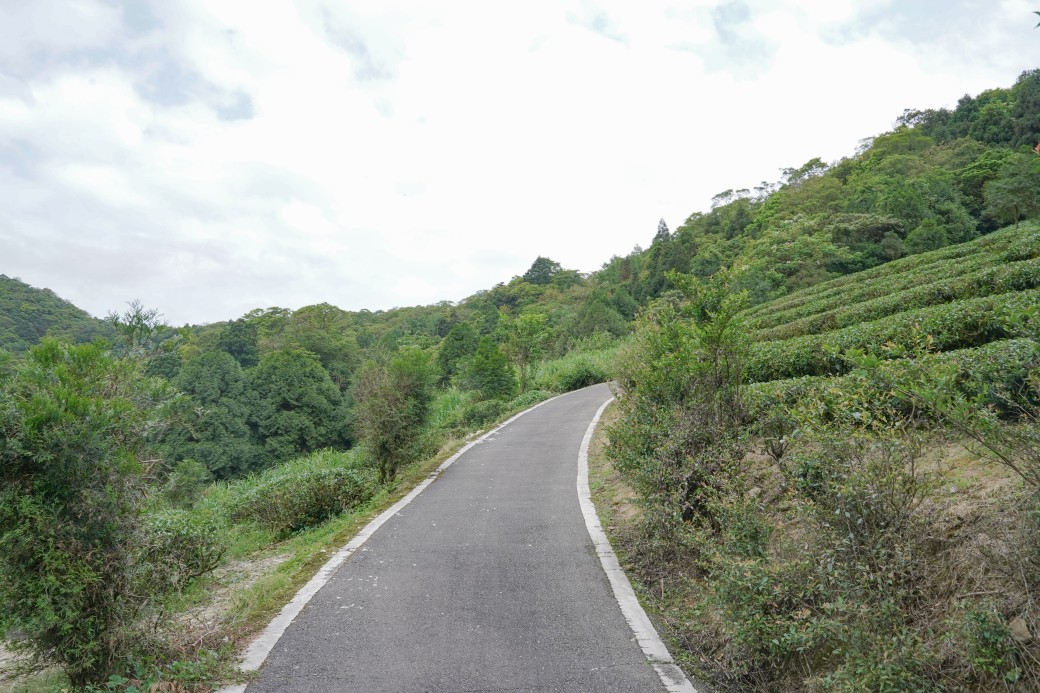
[[226, 438]]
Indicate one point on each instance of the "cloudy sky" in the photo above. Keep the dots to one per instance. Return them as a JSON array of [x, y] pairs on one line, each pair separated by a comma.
[[212, 156]]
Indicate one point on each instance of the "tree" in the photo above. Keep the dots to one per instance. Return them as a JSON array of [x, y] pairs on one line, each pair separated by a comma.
[[663, 234], [213, 423], [461, 341], [489, 372], [1015, 193], [928, 236], [295, 407], [140, 328], [523, 340], [392, 407], [542, 271], [75, 428], [324, 330], [241, 339]]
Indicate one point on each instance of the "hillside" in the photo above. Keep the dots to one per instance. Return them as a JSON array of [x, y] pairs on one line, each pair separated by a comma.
[[27, 314], [802, 370], [838, 488]]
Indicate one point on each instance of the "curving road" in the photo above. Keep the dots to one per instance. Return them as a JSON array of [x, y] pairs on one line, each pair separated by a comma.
[[486, 581]]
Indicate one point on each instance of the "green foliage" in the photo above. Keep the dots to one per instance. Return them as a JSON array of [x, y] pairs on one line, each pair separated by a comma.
[[482, 413], [294, 405], [392, 407], [983, 374], [681, 401], [212, 419], [523, 339], [954, 325], [1015, 276], [304, 493], [488, 373], [186, 482], [74, 453], [28, 314], [988, 252], [461, 341], [542, 271], [1014, 194], [240, 339], [578, 369], [179, 547]]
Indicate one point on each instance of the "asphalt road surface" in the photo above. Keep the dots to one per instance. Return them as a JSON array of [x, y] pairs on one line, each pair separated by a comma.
[[487, 581]]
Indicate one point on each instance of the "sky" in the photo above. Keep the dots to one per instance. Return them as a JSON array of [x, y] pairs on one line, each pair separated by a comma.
[[209, 157]]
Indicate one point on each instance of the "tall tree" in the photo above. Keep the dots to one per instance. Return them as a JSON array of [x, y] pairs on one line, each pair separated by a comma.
[[542, 271], [523, 339], [1015, 193], [392, 407], [295, 406]]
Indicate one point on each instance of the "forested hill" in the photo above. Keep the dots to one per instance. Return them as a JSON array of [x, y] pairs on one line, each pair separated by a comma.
[[27, 314], [940, 177]]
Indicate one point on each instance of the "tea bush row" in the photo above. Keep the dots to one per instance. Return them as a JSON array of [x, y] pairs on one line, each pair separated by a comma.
[[1017, 276], [1006, 246], [985, 372], [955, 325]]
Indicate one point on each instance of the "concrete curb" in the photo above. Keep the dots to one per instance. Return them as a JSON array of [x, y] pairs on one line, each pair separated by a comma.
[[656, 652]]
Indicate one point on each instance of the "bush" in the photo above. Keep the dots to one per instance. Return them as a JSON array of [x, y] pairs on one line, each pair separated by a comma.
[[482, 413], [393, 406], [303, 494], [179, 547], [575, 371], [992, 251], [529, 399], [950, 326], [1017, 276], [74, 427]]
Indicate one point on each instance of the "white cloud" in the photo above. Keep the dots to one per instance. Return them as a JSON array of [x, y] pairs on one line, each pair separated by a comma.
[[209, 158]]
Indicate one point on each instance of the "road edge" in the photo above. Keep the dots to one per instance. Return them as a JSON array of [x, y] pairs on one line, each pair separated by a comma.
[[260, 648], [673, 678]]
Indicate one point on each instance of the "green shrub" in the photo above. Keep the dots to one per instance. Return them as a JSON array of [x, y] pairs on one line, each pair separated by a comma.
[[482, 413], [572, 372], [179, 547], [303, 494], [529, 399], [74, 434], [950, 326], [985, 373], [990, 251], [1017, 276]]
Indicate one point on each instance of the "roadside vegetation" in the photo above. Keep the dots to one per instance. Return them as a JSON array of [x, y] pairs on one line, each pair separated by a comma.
[[804, 372]]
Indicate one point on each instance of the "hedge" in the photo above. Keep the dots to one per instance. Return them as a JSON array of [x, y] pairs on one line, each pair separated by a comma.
[[954, 325]]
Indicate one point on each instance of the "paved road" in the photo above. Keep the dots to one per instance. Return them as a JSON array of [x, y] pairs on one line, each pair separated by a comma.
[[487, 581]]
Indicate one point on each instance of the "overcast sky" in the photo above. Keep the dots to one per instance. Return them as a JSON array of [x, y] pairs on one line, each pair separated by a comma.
[[209, 157]]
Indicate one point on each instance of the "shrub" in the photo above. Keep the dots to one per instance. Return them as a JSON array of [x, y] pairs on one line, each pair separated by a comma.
[[1017, 276], [303, 494], [681, 401], [572, 372], [180, 546], [482, 413], [74, 427], [393, 406], [950, 326], [529, 399], [992, 251]]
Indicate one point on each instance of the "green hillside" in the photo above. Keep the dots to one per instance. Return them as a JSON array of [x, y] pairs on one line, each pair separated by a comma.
[[804, 372], [27, 314]]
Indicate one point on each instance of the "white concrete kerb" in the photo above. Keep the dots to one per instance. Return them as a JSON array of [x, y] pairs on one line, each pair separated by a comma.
[[672, 676]]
